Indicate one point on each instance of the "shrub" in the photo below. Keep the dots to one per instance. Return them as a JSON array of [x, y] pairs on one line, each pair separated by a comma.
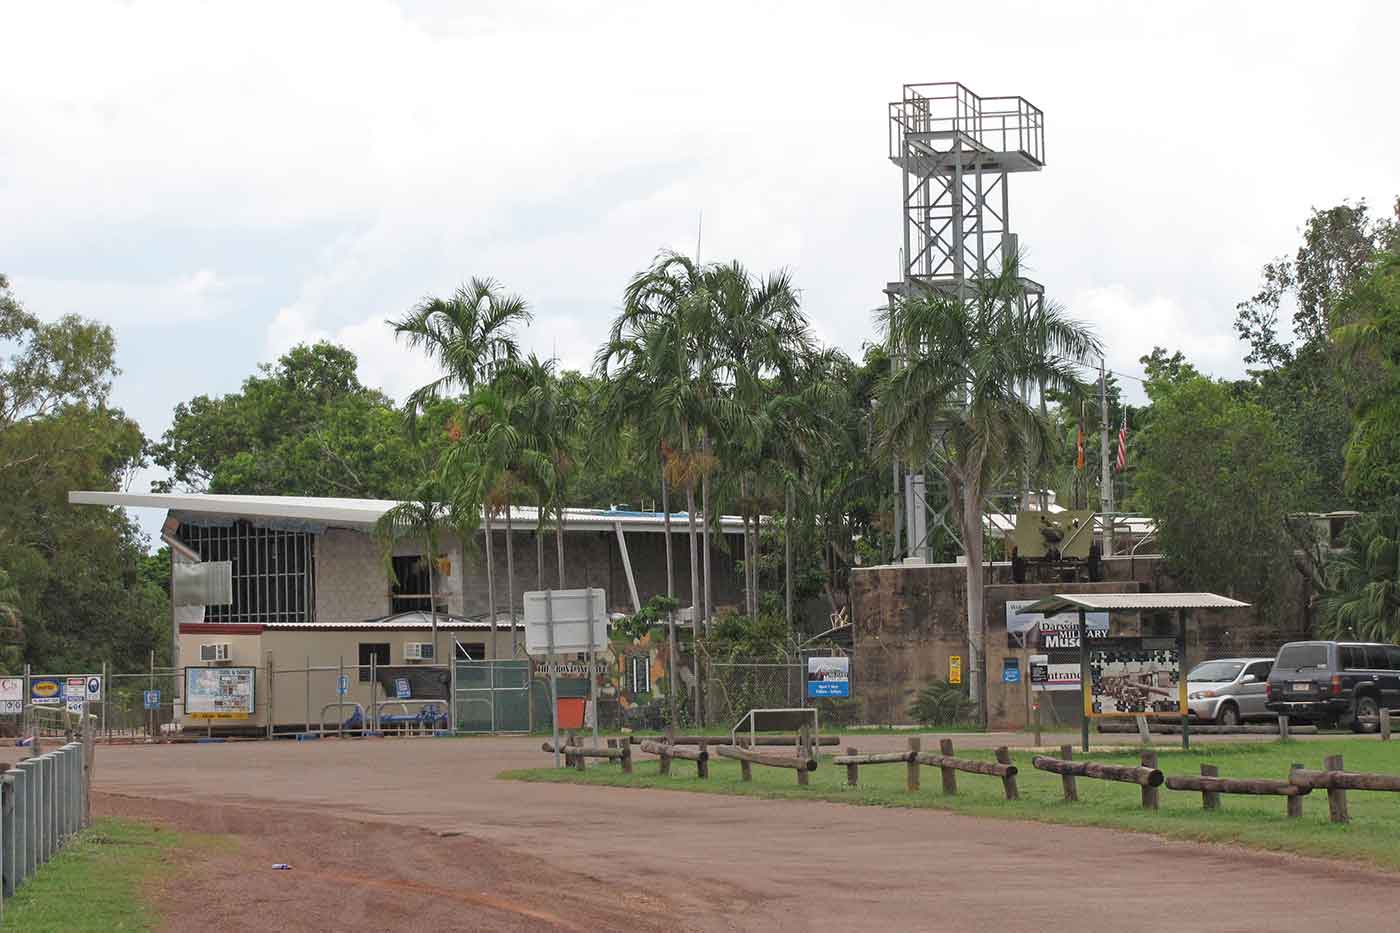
[[941, 704]]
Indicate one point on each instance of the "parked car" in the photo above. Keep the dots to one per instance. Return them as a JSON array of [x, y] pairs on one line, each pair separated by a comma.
[[1228, 691], [1332, 683]]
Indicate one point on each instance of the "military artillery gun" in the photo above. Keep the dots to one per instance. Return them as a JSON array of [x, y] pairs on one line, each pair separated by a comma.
[[1055, 547]]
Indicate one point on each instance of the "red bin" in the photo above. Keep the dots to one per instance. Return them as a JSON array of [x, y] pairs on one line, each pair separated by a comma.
[[569, 712]]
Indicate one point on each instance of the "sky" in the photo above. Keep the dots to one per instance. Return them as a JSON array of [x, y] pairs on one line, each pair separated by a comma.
[[220, 181]]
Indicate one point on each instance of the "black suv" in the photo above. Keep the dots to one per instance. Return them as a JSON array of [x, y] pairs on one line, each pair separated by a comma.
[[1330, 682]]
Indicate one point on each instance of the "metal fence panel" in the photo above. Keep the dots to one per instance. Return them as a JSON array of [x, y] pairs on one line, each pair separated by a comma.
[[493, 696]]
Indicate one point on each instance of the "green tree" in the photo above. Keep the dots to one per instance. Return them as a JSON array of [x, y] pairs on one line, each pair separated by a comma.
[[956, 400], [1371, 341], [1219, 478]]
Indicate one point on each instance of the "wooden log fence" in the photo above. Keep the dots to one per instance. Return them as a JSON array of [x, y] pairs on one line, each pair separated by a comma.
[[1147, 776], [574, 755], [747, 758], [701, 756], [1109, 727], [1210, 786], [742, 741], [948, 765]]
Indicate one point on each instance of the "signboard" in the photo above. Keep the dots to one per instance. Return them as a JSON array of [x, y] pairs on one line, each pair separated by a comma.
[[11, 689], [402, 690], [75, 688], [220, 692], [570, 668], [1046, 675], [342, 684], [575, 613], [151, 699], [76, 704], [1134, 677], [954, 669], [45, 691], [94, 689], [828, 677], [1058, 631], [1011, 670]]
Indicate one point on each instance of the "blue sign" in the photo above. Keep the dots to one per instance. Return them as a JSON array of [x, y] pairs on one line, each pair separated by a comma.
[[828, 677], [46, 691], [401, 688], [342, 685], [152, 699], [1011, 670]]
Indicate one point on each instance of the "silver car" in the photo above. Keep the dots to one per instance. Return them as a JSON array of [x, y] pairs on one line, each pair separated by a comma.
[[1229, 691]]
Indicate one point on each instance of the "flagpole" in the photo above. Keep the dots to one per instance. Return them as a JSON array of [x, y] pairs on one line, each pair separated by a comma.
[[1106, 476]]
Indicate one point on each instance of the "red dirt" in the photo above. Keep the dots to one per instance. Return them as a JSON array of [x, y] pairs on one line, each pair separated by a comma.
[[359, 822]]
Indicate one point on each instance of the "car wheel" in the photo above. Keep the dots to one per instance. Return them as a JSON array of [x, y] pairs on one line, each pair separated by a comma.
[[1228, 715], [1366, 716]]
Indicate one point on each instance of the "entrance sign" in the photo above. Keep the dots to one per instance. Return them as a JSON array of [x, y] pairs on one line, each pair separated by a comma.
[[1135, 677], [954, 669], [220, 692], [1060, 630], [828, 677], [1045, 675], [576, 614]]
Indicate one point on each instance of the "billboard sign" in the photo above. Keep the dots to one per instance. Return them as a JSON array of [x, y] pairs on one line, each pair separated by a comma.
[[46, 691], [1134, 677], [574, 616], [828, 677], [220, 692], [1024, 629]]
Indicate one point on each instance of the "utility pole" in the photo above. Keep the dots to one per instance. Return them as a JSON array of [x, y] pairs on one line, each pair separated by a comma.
[[1106, 477]]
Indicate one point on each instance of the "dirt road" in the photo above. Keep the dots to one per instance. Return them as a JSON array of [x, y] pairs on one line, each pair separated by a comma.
[[455, 848]]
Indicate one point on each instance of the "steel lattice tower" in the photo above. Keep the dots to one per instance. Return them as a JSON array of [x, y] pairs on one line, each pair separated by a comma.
[[956, 152]]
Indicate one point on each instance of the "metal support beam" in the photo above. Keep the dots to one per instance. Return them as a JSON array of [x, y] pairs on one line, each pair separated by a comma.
[[627, 566]]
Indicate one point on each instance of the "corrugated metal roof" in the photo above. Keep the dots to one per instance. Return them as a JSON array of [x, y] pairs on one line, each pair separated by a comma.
[[363, 513], [402, 621], [1131, 602]]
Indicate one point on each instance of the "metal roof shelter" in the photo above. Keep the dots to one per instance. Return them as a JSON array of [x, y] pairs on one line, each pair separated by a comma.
[[1083, 603]]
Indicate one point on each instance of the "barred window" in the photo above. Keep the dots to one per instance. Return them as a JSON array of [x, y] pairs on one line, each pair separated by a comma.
[[274, 573]]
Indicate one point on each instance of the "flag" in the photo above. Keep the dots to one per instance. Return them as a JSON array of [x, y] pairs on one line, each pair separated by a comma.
[[1079, 446], [1123, 443]]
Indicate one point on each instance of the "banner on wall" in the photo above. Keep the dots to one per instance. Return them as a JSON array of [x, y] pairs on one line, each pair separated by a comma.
[[220, 692]]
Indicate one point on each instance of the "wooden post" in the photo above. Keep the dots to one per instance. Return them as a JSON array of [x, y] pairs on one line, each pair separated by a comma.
[[702, 767], [1283, 728], [745, 769], [911, 780], [1067, 780], [1295, 803], [802, 777], [1385, 724], [1210, 800], [1336, 797], [665, 770], [579, 763], [626, 757], [1144, 733], [852, 771], [1149, 793], [1008, 783], [950, 776]]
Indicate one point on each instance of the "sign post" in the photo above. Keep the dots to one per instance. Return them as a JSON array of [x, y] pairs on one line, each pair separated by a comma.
[[553, 675]]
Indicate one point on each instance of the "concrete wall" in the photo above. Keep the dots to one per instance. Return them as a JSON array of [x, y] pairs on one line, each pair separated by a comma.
[[352, 585], [910, 619]]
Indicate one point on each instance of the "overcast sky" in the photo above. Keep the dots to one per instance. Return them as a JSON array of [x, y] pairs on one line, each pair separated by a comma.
[[221, 181]]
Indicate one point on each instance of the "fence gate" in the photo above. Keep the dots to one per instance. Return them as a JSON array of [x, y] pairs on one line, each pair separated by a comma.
[[493, 696]]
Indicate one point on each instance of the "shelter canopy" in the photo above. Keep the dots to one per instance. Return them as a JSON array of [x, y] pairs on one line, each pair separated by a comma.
[[1130, 602]]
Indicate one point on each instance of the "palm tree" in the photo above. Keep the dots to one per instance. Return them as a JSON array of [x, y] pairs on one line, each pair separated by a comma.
[[425, 516], [1364, 600], [547, 422], [956, 399]]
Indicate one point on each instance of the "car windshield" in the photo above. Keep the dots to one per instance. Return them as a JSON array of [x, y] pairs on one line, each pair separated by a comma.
[[1215, 671], [1297, 657]]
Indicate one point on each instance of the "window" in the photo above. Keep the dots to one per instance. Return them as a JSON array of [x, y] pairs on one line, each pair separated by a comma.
[[1394, 655], [640, 670], [1300, 656], [1364, 658], [412, 586], [376, 653], [473, 651], [274, 577], [1260, 670]]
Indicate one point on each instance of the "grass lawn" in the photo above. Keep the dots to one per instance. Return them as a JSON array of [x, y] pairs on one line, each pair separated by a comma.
[[95, 882], [1372, 836]]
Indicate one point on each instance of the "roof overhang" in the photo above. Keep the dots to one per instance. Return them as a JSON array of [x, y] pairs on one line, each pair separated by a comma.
[[1130, 602]]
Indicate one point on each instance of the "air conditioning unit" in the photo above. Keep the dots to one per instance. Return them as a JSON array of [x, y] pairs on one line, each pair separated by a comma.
[[418, 651], [218, 651]]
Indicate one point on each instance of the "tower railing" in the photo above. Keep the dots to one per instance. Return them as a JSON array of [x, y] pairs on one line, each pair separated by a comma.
[[936, 114]]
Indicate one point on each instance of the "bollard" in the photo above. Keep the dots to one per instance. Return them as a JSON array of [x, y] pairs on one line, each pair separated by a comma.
[[911, 773], [9, 827], [950, 776], [1295, 802], [852, 771], [1336, 796], [30, 768], [1008, 783], [1283, 728], [702, 767], [1210, 799], [1149, 793], [1067, 780], [1385, 724]]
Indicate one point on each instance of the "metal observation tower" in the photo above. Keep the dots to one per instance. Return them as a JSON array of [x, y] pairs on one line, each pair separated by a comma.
[[956, 152]]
